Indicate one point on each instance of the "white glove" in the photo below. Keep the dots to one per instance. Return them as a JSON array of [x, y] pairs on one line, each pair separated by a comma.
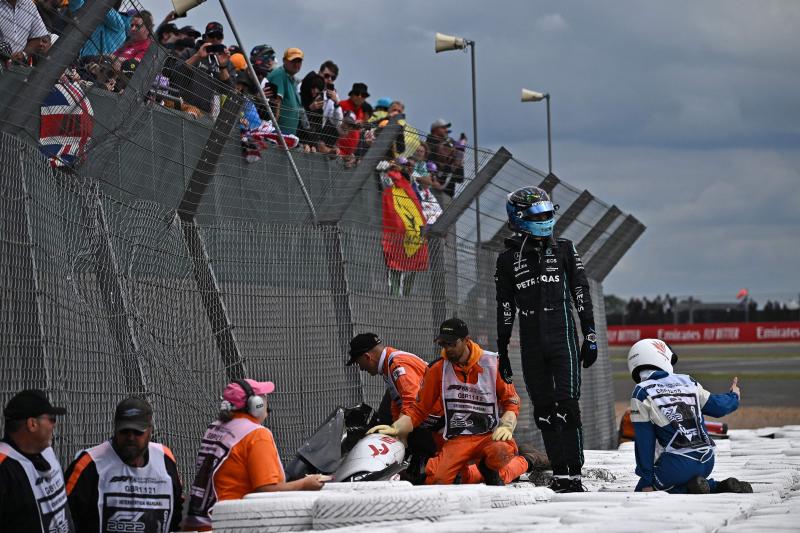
[[505, 431], [400, 429]]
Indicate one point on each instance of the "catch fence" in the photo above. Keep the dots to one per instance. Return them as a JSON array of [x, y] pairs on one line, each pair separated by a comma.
[[163, 263]]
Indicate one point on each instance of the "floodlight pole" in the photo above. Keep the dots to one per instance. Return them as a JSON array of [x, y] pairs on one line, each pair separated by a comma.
[[471, 45], [264, 101], [549, 145]]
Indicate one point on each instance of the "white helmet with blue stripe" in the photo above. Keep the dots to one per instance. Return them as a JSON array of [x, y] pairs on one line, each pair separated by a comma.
[[531, 211]]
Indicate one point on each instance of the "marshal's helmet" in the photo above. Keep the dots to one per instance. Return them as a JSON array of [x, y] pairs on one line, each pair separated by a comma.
[[650, 354], [531, 211]]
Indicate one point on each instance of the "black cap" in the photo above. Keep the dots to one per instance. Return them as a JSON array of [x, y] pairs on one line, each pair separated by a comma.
[[362, 343], [452, 329], [166, 28], [30, 403], [190, 31], [133, 413], [359, 88], [213, 27]]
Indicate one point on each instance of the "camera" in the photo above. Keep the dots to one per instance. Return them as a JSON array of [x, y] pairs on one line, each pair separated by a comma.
[[216, 48], [330, 87]]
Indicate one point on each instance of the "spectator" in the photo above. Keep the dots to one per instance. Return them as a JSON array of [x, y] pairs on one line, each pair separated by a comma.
[[188, 32], [42, 46], [126, 463], [331, 110], [196, 87], [109, 35], [313, 101], [167, 34], [238, 455], [32, 496], [442, 151], [395, 110], [21, 27], [139, 38], [463, 372], [381, 109], [353, 107], [54, 15], [286, 96], [422, 179], [262, 57], [238, 61]]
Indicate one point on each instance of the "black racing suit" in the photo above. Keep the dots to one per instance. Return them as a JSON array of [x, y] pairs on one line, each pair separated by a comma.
[[536, 278]]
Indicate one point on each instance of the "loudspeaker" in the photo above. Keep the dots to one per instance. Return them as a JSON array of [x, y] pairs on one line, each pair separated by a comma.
[[255, 406], [182, 6], [448, 42], [531, 96]]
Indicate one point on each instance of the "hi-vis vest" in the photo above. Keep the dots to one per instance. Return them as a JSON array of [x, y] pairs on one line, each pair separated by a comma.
[[133, 498], [386, 359], [470, 409], [676, 397], [431, 422], [215, 448], [48, 489]]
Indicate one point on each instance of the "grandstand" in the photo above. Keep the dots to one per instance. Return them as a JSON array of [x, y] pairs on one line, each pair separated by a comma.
[[157, 260]]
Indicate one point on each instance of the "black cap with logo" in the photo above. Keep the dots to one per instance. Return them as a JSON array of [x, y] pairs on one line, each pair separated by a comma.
[[362, 343], [133, 413], [30, 403], [452, 329], [213, 28]]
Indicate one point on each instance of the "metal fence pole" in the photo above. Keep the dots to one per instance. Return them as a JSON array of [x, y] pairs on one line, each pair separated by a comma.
[[264, 101]]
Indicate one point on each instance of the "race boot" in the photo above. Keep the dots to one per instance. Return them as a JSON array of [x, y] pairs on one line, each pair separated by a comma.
[[575, 485], [490, 477], [733, 485], [698, 485], [560, 484]]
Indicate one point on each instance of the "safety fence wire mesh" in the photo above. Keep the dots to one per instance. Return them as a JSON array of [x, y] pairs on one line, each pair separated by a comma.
[[116, 281]]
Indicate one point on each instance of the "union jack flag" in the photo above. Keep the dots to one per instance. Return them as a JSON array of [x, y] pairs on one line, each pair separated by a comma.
[[66, 126]]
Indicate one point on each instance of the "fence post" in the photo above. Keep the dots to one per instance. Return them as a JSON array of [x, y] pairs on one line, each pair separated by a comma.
[[115, 299], [204, 276]]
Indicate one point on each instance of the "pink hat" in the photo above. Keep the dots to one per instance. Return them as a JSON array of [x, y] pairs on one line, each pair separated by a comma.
[[236, 395]]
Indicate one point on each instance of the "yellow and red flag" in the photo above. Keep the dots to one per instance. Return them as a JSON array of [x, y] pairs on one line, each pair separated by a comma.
[[404, 247]]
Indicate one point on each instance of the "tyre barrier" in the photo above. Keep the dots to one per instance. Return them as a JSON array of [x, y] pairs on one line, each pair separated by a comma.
[[270, 512], [340, 510]]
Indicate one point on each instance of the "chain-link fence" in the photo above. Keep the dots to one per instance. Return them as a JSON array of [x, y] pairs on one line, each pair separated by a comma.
[[162, 258]]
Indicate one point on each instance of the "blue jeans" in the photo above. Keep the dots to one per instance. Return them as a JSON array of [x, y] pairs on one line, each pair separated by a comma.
[[672, 472]]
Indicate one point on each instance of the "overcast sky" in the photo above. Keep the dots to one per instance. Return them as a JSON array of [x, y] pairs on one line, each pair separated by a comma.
[[685, 114]]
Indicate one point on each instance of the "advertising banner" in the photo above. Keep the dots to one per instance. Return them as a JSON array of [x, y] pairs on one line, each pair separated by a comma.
[[743, 332]]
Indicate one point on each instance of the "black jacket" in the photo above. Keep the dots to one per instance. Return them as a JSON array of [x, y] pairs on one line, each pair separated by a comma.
[[538, 282]]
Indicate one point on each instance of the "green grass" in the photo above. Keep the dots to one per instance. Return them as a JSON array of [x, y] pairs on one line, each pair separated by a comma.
[[743, 376]]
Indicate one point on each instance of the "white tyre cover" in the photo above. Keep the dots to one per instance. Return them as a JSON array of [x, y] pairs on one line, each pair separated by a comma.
[[340, 510], [264, 514], [366, 485]]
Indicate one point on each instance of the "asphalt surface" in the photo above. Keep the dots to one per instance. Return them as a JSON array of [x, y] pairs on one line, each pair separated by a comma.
[[769, 375]]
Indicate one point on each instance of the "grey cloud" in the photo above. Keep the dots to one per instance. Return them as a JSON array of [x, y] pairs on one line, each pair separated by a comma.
[[684, 113]]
